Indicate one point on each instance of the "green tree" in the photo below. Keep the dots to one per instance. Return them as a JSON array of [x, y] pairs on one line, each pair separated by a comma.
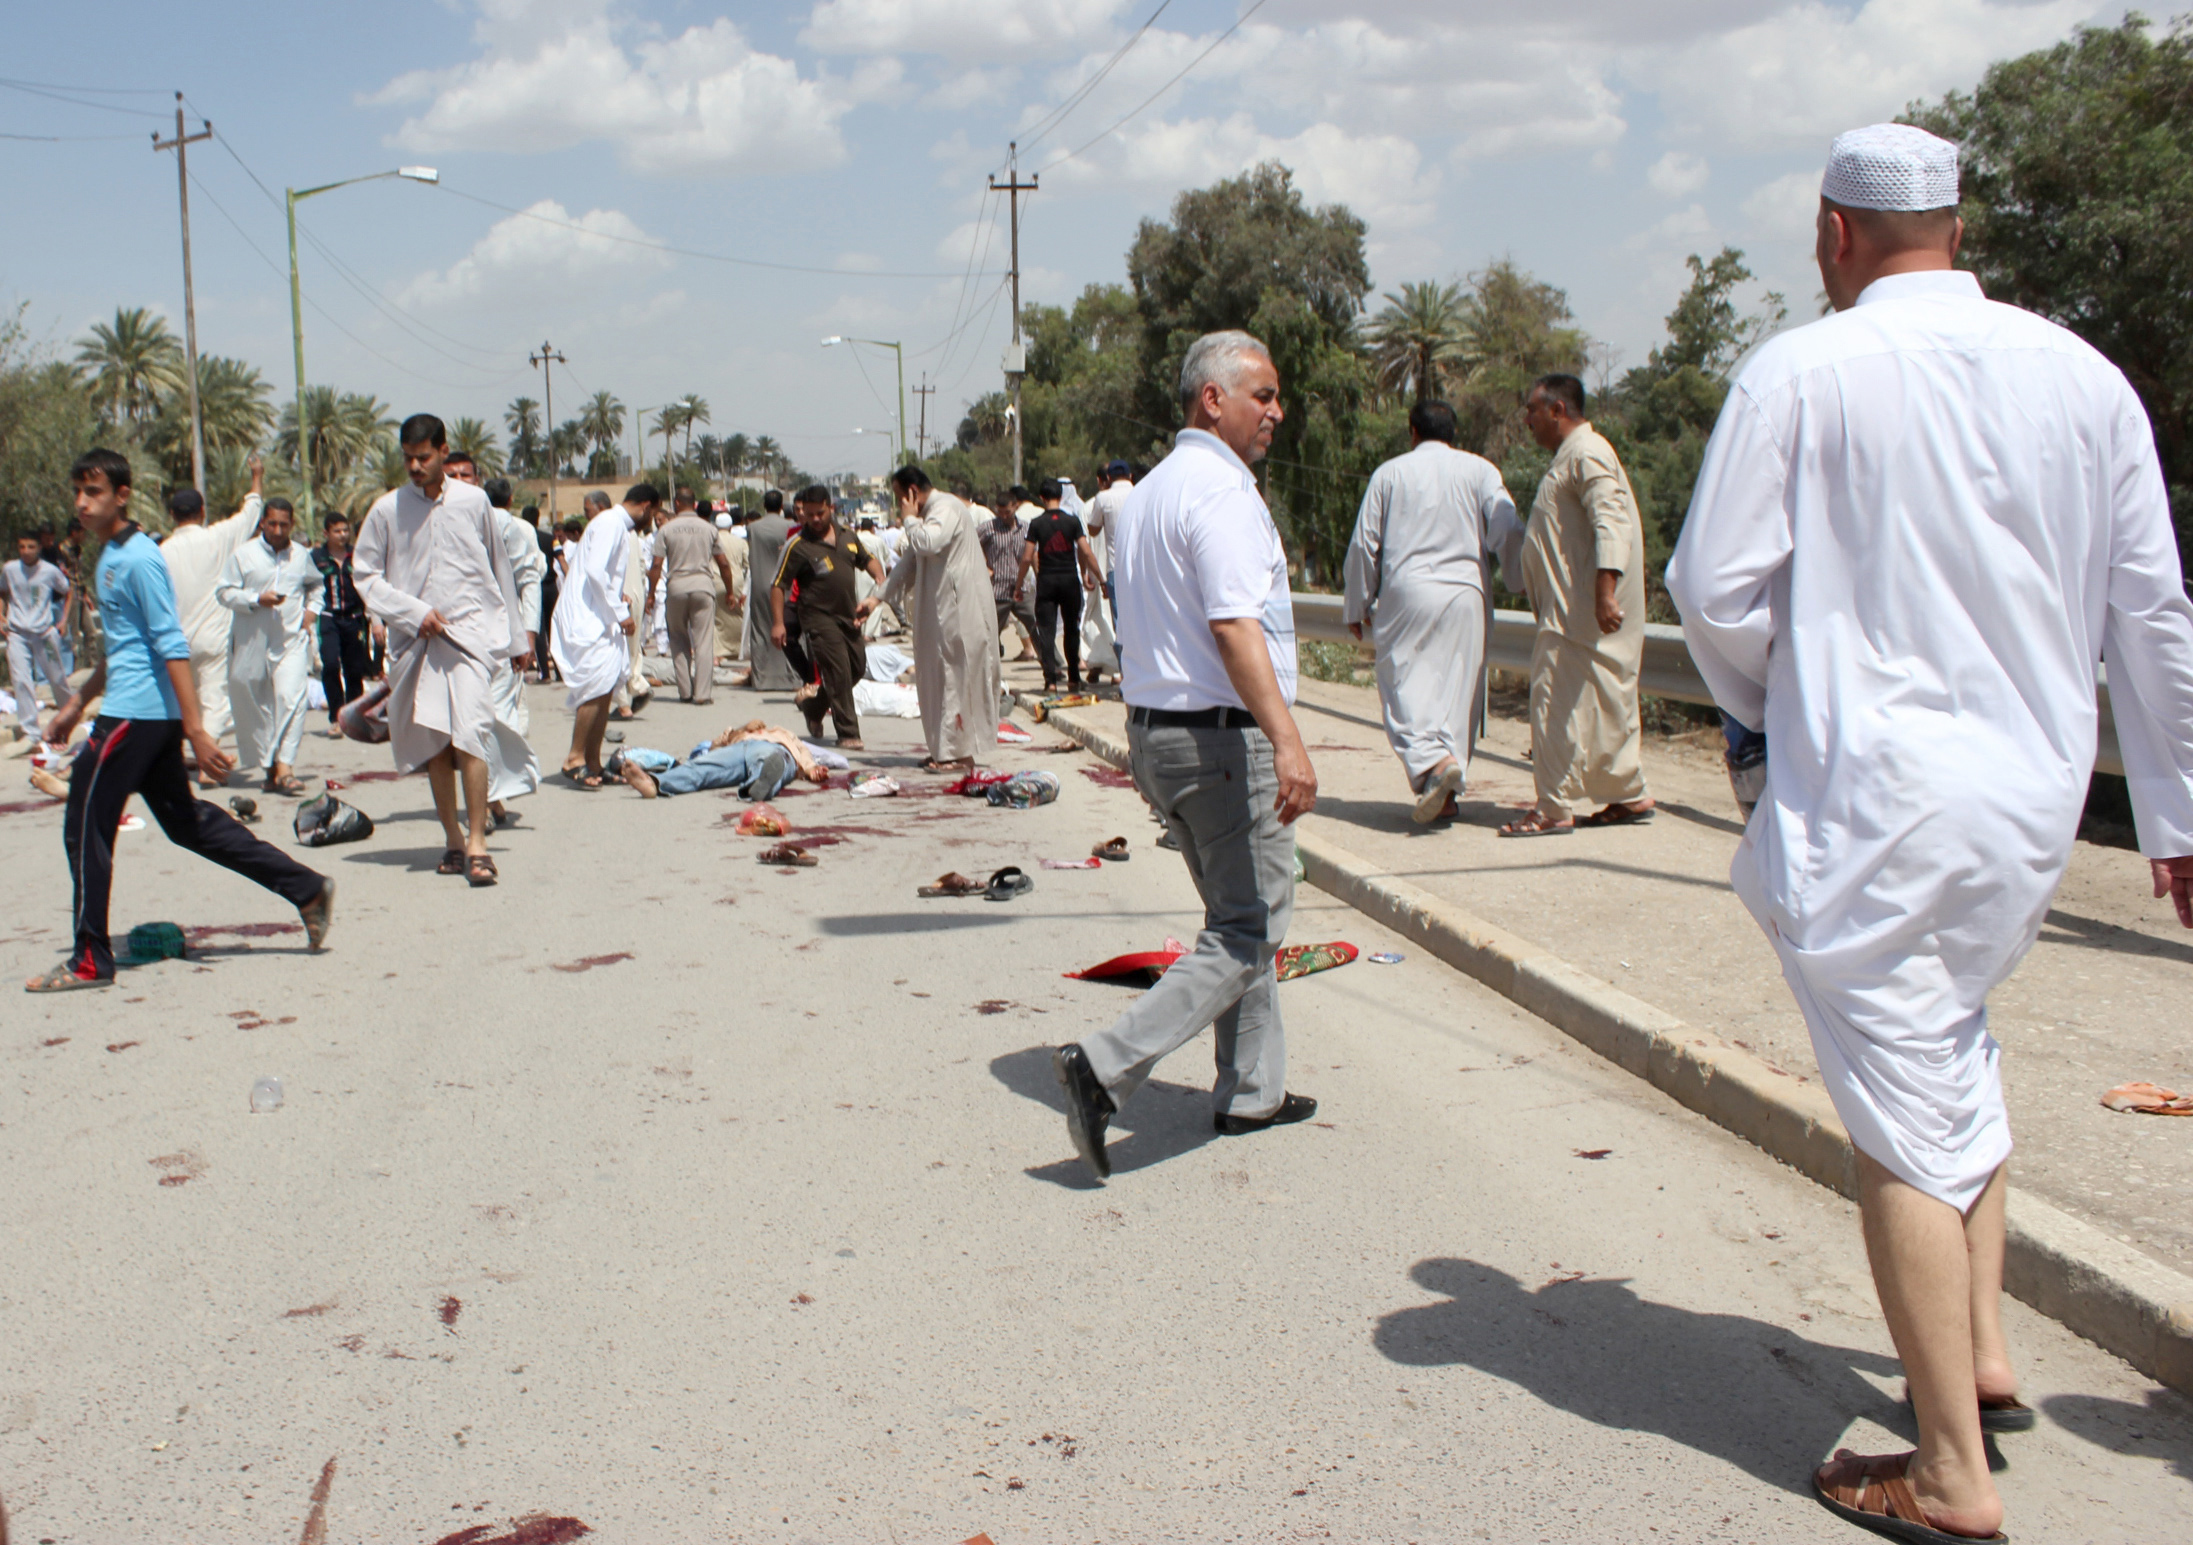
[[523, 419], [472, 436], [350, 434], [234, 403], [692, 412], [602, 422], [47, 419], [566, 445], [1519, 328], [2077, 169], [1420, 340], [130, 365]]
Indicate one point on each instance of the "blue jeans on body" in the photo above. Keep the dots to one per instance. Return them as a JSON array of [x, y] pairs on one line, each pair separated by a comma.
[[758, 769]]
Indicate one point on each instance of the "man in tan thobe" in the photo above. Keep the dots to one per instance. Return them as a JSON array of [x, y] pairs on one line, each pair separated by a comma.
[[1583, 565], [195, 554], [731, 604], [941, 586]]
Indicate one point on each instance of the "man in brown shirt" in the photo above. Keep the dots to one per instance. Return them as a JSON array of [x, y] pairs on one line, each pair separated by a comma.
[[689, 554], [825, 564]]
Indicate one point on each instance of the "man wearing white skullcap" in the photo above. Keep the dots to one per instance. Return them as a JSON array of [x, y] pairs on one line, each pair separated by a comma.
[[1920, 524]]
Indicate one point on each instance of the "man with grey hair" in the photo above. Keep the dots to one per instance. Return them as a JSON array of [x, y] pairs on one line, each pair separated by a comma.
[[1920, 524], [1208, 673]]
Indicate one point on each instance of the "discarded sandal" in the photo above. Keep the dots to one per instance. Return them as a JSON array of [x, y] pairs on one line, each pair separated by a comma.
[[1115, 849], [2149, 1100], [1009, 882], [953, 884], [785, 855], [1301, 959], [1870, 1491]]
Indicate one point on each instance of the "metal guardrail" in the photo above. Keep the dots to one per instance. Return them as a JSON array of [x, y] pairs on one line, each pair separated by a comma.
[[1668, 669]]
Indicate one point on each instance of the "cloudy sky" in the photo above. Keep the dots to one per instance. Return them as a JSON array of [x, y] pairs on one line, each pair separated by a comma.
[[817, 167]]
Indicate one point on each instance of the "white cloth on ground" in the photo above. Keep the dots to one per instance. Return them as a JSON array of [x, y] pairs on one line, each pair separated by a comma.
[[588, 639], [270, 648], [415, 556], [1919, 525], [886, 700], [888, 662], [1415, 579]]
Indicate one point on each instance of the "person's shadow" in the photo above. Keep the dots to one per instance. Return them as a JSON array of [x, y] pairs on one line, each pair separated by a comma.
[[1762, 1398], [1162, 1121]]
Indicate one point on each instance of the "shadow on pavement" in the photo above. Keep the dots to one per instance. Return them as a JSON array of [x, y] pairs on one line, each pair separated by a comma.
[[417, 860], [2161, 1429], [1163, 1120], [949, 915], [1760, 1397], [2089, 933]]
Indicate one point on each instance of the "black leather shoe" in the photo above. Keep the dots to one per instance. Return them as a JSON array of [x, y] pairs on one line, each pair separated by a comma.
[[1295, 1107], [1088, 1108]]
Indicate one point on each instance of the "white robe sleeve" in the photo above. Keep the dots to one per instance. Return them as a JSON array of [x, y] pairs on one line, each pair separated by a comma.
[[2147, 644], [1736, 539], [1360, 569], [1502, 537], [526, 566], [899, 581], [506, 581], [233, 590], [369, 571]]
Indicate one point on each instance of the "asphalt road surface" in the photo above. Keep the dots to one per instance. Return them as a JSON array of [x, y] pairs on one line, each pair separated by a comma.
[[694, 1200]]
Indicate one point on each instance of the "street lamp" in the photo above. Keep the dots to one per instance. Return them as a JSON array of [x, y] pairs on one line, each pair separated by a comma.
[[901, 353], [297, 312]]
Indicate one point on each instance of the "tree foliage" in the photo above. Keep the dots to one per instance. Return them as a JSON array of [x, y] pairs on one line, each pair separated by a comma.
[[2078, 204]]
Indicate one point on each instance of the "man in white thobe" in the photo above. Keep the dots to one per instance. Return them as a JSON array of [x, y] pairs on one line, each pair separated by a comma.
[[1099, 642], [430, 565], [942, 588], [1415, 575], [195, 553], [512, 770], [271, 589], [1920, 524], [594, 625]]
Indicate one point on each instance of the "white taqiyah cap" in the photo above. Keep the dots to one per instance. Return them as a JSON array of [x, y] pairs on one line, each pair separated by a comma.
[[1891, 166], [723, 522]]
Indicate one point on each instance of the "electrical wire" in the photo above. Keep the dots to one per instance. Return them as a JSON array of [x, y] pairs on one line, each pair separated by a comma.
[[67, 139], [1121, 123], [57, 95], [1036, 131]]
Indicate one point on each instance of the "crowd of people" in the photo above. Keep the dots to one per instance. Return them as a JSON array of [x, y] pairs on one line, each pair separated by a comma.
[[1920, 523]]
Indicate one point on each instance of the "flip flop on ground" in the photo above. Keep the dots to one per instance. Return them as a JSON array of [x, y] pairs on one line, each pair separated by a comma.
[[1114, 849], [954, 884], [1009, 882], [786, 855]]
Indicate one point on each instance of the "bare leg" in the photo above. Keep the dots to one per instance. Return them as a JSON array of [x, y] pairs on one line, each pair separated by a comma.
[[1922, 1268], [1984, 1250], [473, 771], [441, 775], [589, 722]]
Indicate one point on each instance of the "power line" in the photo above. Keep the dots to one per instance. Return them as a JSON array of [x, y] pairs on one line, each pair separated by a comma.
[[1034, 134], [1169, 85], [56, 96], [66, 139]]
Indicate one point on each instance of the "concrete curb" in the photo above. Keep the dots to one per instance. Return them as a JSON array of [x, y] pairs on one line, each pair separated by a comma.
[[2067, 1269]]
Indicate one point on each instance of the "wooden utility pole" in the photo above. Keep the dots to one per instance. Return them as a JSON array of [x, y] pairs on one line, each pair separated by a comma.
[[181, 146], [1016, 356], [548, 422], [921, 437]]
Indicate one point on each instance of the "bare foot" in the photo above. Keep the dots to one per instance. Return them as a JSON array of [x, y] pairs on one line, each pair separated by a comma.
[[636, 776], [850, 745], [47, 784]]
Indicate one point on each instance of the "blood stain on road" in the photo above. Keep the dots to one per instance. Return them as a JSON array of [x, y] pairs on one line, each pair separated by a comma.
[[122, 1045], [532, 1529], [591, 961], [241, 930], [450, 1307], [1107, 777]]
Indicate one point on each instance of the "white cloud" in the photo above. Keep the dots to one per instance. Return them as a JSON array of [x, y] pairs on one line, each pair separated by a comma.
[[960, 29], [971, 240], [1678, 173], [1787, 208], [1811, 70], [556, 73], [527, 255]]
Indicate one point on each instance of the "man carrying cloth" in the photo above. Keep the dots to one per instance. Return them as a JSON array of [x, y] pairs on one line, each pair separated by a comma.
[[825, 565], [272, 587], [1920, 524], [148, 708]]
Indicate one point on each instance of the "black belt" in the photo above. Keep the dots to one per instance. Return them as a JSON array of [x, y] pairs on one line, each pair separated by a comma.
[[1193, 719]]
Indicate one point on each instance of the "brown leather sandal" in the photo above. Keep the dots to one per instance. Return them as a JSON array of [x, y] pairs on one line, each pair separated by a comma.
[[479, 871], [1881, 1500], [955, 884], [452, 861]]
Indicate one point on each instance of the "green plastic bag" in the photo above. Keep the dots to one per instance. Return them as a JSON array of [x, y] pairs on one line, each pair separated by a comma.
[[155, 941]]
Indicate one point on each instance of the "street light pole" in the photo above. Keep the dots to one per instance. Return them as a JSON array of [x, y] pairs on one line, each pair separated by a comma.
[[545, 359], [297, 311], [901, 353]]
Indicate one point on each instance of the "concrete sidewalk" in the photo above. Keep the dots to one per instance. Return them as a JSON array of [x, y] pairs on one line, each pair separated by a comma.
[[2099, 1002]]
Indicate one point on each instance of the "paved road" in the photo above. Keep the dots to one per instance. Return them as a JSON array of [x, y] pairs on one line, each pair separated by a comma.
[[767, 1229]]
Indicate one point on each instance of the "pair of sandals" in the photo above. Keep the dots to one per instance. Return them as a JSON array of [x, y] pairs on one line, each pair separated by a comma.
[[1004, 885], [478, 869]]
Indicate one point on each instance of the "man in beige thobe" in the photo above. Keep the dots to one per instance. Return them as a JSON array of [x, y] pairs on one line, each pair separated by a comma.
[[1583, 564], [195, 553], [954, 620], [731, 604]]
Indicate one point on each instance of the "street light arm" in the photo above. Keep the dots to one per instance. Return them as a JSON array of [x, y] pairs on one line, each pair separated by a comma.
[[408, 173]]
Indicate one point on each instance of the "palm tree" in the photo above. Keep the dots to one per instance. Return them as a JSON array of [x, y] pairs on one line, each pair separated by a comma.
[[767, 457], [1420, 339], [234, 403], [523, 419], [473, 437], [130, 365], [565, 443], [348, 433], [692, 410], [602, 421], [737, 451]]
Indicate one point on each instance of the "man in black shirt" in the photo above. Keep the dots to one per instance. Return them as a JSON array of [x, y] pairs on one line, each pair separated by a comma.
[[1057, 549], [344, 658], [825, 564]]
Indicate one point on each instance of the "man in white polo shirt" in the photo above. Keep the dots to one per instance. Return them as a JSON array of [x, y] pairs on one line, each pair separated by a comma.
[[1208, 672]]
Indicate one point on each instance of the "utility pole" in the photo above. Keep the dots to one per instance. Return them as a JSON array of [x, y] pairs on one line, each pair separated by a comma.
[[548, 424], [921, 438], [181, 146], [1016, 356]]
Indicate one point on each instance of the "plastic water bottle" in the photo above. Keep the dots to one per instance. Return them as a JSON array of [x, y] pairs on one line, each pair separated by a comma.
[[266, 1096]]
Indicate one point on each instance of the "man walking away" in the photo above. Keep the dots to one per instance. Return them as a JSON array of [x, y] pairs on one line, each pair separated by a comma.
[[1213, 747], [1583, 564], [1099, 641], [731, 605], [765, 543], [593, 621], [148, 706], [942, 588], [692, 564], [824, 565], [270, 586], [513, 771], [195, 553], [1415, 575], [1920, 524], [1057, 554], [33, 593], [1002, 548], [432, 566], [344, 659]]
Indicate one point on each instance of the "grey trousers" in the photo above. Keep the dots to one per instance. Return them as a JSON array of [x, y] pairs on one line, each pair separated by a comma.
[[1216, 790], [692, 618]]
